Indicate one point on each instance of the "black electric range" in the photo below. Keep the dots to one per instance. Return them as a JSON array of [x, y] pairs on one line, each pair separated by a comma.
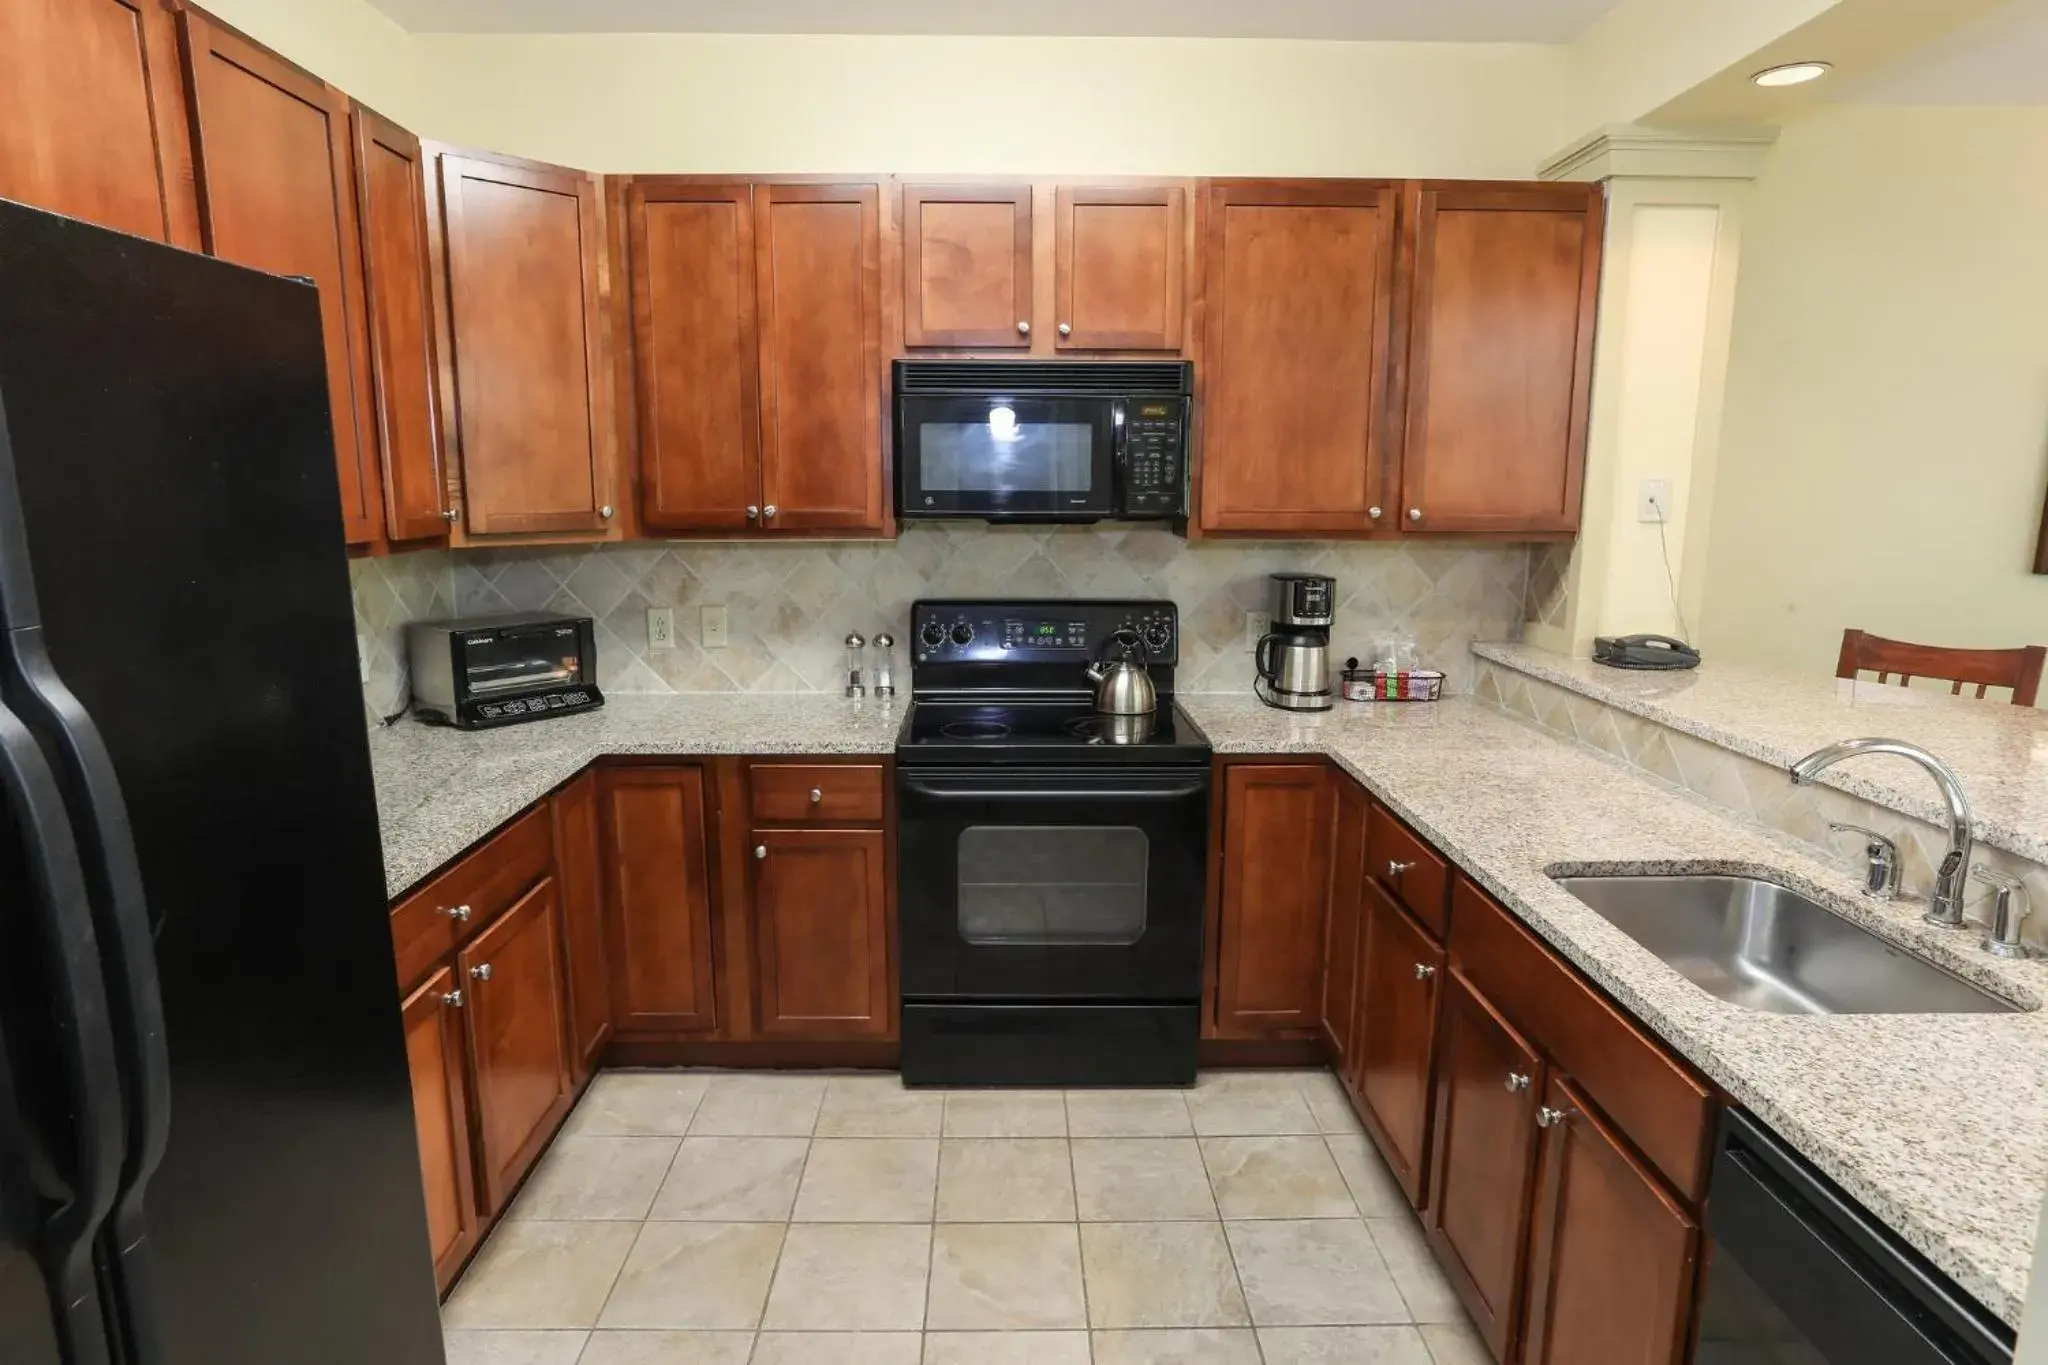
[[1051, 861]]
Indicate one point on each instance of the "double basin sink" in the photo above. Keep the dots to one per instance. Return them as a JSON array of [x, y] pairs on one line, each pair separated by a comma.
[[1766, 947]]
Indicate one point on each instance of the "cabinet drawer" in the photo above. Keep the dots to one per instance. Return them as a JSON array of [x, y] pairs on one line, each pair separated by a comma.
[[432, 922], [1409, 868], [1654, 1099], [791, 793]]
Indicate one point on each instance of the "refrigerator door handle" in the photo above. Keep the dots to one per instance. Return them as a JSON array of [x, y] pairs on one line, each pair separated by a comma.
[[71, 962]]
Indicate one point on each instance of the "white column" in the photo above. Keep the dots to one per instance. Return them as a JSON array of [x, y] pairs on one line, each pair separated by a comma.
[[1660, 360]]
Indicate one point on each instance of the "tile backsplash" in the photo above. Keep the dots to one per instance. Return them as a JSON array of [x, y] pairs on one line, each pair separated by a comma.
[[789, 605]]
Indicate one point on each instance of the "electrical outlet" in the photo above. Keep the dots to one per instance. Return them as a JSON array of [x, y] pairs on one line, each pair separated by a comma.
[[1256, 625], [363, 658], [661, 628], [714, 627], [1653, 501]]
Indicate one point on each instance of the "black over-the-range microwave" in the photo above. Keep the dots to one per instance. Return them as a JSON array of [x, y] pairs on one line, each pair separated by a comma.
[[1050, 440]]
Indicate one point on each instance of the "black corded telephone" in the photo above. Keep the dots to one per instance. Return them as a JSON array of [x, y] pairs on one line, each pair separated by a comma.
[[1644, 651]]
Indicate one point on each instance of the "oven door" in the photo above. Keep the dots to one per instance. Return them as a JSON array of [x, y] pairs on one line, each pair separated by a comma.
[[1022, 458], [1043, 884]]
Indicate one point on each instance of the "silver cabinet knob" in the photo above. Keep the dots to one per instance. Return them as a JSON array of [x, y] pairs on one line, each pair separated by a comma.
[[459, 913], [1395, 869], [1023, 329], [452, 999], [752, 511], [482, 971], [769, 510], [816, 796], [1517, 1083], [605, 511], [450, 516], [1415, 514], [1374, 512], [760, 850], [1546, 1117], [1066, 329], [1423, 971]]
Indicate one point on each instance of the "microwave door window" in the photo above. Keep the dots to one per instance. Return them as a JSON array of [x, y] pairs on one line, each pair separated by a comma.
[[1004, 454]]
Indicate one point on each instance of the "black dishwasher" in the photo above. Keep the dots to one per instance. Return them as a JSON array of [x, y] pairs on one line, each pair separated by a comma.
[[1800, 1274]]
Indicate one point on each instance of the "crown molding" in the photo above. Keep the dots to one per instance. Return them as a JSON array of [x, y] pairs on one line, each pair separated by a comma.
[[1639, 150]]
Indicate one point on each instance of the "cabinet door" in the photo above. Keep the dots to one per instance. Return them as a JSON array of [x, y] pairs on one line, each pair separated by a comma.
[[821, 933], [278, 193], [579, 872], [1612, 1272], [1342, 952], [1118, 275], [658, 903], [526, 319], [95, 125], [1500, 356], [967, 265], [511, 976], [440, 1110], [391, 196], [1276, 871], [818, 260], [1482, 1160], [698, 354], [1299, 290], [1395, 1039]]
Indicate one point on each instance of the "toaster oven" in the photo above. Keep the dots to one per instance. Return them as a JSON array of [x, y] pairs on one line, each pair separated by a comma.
[[499, 670]]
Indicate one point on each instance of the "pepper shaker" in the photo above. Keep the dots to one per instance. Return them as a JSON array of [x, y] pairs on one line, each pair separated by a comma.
[[884, 665], [856, 665]]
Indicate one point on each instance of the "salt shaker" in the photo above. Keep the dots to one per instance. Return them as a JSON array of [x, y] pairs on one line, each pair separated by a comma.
[[856, 665], [884, 665]]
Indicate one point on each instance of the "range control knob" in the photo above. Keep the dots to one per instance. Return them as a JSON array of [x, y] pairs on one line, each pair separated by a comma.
[[932, 635], [963, 634], [1157, 635]]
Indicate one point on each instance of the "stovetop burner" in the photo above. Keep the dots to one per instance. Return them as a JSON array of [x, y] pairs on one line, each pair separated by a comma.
[[963, 731], [974, 729], [1113, 729]]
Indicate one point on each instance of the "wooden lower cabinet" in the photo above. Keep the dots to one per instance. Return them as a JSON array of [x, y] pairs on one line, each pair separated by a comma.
[[1483, 1159], [1612, 1271], [658, 910], [440, 1101], [1277, 821], [517, 1012], [1342, 921], [579, 853], [821, 933], [1394, 1041]]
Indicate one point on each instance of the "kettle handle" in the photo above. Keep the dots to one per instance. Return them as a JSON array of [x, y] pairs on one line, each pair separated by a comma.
[[1268, 671]]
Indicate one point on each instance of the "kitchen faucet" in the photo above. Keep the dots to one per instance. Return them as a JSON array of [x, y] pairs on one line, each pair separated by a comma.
[[1946, 904]]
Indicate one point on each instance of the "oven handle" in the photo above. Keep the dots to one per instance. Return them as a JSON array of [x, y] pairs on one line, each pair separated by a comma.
[[972, 791]]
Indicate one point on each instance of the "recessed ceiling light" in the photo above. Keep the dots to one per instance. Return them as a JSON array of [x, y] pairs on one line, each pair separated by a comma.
[[1792, 73]]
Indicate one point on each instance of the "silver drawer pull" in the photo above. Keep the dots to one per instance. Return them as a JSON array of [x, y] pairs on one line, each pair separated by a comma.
[[1546, 1117], [1517, 1083], [816, 796], [760, 850], [1395, 869], [459, 913], [1423, 971], [453, 999], [482, 971]]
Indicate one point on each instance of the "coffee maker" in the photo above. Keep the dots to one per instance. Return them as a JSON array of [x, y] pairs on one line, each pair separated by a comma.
[[1293, 660]]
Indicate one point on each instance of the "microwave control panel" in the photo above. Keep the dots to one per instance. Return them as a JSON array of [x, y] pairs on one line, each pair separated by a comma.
[[1154, 456], [1038, 632]]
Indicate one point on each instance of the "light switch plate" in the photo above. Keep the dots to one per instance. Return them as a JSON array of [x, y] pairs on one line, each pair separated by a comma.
[[661, 628], [1256, 625], [1653, 501], [714, 627]]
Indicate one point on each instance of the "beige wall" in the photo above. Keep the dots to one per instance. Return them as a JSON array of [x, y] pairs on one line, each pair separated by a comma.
[[1885, 445]]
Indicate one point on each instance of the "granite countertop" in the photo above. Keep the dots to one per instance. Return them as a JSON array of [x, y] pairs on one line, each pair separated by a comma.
[[1937, 1123], [2000, 751]]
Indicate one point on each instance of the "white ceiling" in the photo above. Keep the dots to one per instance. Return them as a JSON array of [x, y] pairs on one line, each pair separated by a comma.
[[1379, 20], [2001, 59]]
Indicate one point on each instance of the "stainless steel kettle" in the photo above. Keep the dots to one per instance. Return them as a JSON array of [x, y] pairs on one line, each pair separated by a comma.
[[1122, 686]]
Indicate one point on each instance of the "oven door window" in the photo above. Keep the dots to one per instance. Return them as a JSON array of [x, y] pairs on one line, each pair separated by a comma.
[[1023, 455], [1052, 885]]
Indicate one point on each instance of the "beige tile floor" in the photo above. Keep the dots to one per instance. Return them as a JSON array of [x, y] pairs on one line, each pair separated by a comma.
[[719, 1218]]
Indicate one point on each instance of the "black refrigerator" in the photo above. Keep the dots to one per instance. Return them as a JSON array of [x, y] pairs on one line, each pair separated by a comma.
[[206, 1135]]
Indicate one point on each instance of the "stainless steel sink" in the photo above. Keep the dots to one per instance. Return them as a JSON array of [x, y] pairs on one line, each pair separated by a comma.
[[1767, 947]]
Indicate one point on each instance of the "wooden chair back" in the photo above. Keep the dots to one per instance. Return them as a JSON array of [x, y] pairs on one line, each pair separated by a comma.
[[2018, 669]]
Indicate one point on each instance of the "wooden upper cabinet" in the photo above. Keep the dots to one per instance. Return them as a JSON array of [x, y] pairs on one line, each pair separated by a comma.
[[532, 395], [440, 1104], [1298, 282], [1611, 1276], [821, 933], [1505, 282], [277, 191], [658, 909], [1395, 1047], [511, 975], [391, 197], [967, 265], [1277, 822], [818, 269], [697, 349], [95, 126], [1482, 1160], [1120, 278]]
